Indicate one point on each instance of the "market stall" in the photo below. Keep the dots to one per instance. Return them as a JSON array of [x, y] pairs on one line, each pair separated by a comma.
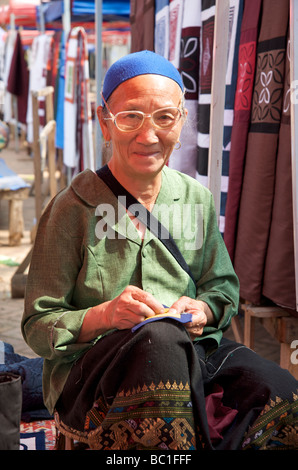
[[238, 62], [35, 54]]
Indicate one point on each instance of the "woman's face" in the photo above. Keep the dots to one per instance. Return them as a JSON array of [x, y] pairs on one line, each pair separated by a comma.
[[145, 151]]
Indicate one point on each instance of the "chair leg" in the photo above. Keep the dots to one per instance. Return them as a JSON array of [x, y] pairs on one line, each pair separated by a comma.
[[69, 445], [237, 330], [249, 329]]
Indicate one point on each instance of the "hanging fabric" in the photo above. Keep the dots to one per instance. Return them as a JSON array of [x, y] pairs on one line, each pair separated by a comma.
[[235, 19], [260, 166], [38, 67], [279, 273], [176, 15], [54, 61], [142, 25], [242, 111], [9, 50], [18, 79], [204, 101], [185, 158], [162, 27], [78, 143]]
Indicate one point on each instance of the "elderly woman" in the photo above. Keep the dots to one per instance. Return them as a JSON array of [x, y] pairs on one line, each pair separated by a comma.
[[132, 339]]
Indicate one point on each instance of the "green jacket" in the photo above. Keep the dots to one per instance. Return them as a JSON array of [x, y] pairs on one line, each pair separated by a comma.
[[80, 261]]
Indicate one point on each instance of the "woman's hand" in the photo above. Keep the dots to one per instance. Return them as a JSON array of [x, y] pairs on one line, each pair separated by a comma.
[[201, 314], [129, 308]]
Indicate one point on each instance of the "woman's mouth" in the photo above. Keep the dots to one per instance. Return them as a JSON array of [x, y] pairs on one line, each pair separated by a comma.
[[147, 154]]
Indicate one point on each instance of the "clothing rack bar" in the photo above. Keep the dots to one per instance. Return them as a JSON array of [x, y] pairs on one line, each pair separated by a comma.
[[98, 78]]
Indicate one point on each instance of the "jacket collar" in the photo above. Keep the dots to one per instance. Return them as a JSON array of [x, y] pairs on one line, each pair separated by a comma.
[[94, 192]]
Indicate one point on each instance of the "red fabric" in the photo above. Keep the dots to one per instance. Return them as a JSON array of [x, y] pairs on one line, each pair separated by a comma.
[[18, 80], [279, 271], [219, 416], [242, 109], [257, 195]]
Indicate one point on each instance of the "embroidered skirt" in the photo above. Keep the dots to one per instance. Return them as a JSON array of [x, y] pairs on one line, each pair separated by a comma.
[[156, 389]]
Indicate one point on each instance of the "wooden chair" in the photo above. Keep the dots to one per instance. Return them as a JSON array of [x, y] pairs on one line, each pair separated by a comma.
[[15, 190], [44, 158], [280, 325]]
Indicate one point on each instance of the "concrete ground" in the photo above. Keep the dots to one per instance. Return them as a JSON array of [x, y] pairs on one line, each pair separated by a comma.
[[11, 310]]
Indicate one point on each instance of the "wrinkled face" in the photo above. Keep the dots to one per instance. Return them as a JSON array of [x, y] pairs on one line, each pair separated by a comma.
[[146, 150]]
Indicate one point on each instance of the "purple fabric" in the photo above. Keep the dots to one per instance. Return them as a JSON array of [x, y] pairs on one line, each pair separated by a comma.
[[219, 416]]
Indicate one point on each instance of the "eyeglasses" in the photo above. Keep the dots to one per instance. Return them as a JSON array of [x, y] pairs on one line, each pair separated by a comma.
[[128, 121]]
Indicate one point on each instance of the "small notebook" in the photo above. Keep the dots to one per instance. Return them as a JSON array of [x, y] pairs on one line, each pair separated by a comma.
[[180, 317]]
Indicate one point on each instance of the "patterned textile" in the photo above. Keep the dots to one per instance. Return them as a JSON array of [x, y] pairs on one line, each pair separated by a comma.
[[275, 428], [124, 396], [185, 159], [279, 270], [18, 80], [32, 441], [176, 15], [208, 18], [161, 32], [38, 433], [242, 110], [204, 101], [235, 19], [130, 395], [168, 422], [38, 70], [260, 166]]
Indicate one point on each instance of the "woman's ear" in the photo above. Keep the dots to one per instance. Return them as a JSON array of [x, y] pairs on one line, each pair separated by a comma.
[[103, 124]]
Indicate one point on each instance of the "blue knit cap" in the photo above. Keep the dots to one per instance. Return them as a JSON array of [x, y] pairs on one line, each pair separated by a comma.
[[138, 63]]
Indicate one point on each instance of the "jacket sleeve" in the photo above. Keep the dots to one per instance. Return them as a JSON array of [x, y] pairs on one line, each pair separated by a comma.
[[50, 323]]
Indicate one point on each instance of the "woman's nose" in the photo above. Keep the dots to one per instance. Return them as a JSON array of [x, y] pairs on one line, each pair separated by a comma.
[[147, 133]]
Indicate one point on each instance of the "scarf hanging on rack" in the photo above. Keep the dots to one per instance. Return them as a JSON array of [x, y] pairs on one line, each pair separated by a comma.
[[78, 144], [9, 50], [184, 159], [204, 101], [176, 15], [162, 25], [235, 19], [242, 111], [259, 175], [38, 68]]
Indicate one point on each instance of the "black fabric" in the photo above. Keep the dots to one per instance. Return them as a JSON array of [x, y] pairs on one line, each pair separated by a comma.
[[163, 351]]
